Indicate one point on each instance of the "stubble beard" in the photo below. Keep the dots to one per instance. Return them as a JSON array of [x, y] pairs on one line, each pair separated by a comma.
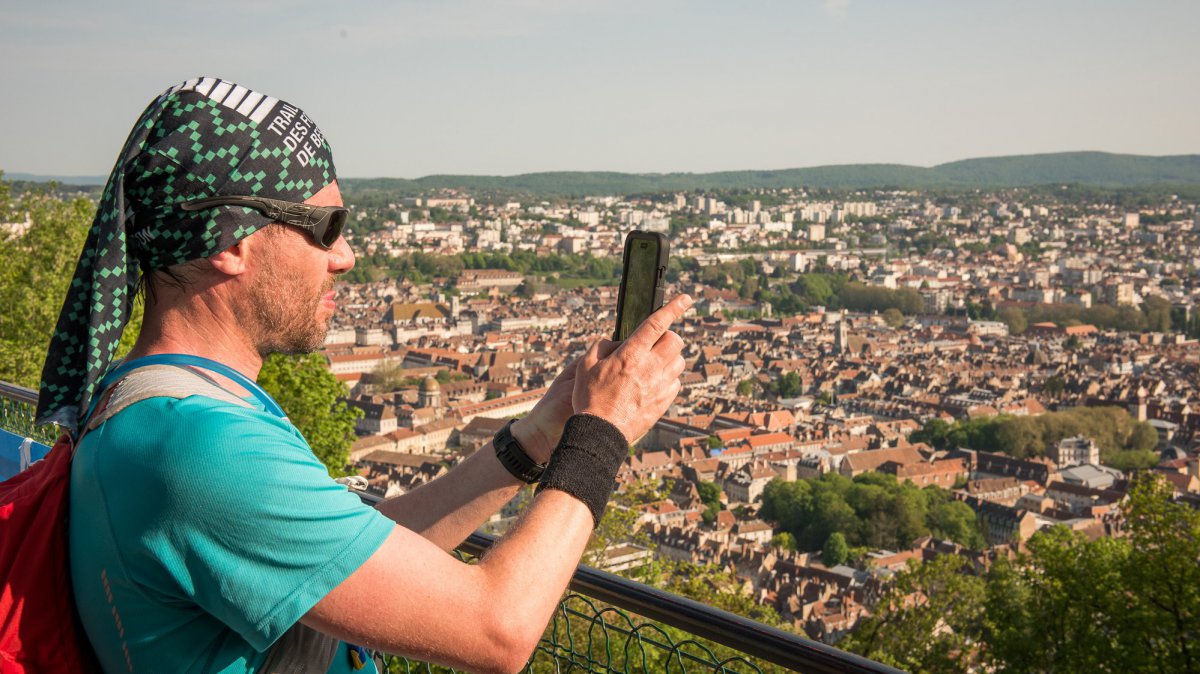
[[285, 316]]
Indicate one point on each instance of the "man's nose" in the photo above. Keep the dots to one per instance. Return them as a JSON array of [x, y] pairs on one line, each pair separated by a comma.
[[341, 257]]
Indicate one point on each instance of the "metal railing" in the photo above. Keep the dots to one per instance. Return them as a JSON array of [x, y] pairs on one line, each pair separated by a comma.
[[606, 624], [17, 406]]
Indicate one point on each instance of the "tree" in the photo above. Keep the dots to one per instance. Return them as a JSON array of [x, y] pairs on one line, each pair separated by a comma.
[[708, 585], [873, 509], [1054, 386], [1158, 313], [1127, 604], [1014, 318], [934, 433], [618, 526], [928, 621], [710, 495], [835, 550], [37, 268], [1143, 437], [893, 317], [312, 397], [784, 540], [745, 388]]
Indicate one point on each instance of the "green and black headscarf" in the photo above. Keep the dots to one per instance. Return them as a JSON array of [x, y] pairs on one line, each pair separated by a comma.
[[206, 137]]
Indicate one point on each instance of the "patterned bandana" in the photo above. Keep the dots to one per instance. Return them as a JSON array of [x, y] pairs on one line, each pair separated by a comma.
[[206, 137]]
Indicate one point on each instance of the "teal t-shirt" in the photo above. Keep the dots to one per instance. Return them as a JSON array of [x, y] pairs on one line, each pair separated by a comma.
[[201, 531]]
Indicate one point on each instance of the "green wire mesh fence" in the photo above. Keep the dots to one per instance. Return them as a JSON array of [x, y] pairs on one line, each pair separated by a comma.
[[17, 406]]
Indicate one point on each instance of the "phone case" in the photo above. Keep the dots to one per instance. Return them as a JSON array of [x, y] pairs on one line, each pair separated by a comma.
[[660, 274]]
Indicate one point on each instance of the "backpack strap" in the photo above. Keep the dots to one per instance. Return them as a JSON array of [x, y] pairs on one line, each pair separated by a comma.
[[158, 381], [301, 649]]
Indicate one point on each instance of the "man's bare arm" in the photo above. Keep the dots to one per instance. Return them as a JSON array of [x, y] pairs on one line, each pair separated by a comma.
[[446, 510], [412, 598]]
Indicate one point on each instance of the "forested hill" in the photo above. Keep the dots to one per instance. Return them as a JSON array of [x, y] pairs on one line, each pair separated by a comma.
[[1099, 169], [1085, 168]]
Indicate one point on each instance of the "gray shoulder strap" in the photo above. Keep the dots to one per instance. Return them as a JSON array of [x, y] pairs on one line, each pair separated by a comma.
[[159, 381], [301, 650]]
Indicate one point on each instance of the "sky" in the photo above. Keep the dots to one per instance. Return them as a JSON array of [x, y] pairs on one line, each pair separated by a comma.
[[502, 87]]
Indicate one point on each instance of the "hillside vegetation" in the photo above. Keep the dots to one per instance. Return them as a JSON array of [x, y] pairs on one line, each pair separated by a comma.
[[1084, 168]]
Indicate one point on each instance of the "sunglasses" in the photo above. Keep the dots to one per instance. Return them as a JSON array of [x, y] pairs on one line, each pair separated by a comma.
[[324, 223]]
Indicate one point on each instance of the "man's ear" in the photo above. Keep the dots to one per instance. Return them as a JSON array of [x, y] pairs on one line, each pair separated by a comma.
[[232, 260]]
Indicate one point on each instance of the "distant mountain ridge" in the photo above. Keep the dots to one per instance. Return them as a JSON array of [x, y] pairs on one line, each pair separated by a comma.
[[1101, 169]]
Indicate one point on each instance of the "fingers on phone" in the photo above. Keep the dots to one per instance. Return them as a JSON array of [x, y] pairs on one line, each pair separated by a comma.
[[649, 332]]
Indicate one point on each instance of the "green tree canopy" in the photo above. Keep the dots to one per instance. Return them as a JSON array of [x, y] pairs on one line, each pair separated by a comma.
[[927, 621], [37, 268], [313, 399], [1123, 441], [873, 510], [835, 551], [1119, 605]]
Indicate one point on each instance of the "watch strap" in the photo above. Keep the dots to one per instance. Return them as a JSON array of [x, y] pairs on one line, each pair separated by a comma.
[[513, 457]]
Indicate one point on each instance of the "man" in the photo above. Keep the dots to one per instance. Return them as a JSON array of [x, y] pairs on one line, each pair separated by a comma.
[[203, 531]]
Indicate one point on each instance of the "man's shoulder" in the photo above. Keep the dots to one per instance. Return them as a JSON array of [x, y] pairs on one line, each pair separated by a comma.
[[171, 424]]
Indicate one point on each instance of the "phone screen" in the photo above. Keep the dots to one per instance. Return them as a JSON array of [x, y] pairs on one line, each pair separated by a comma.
[[641, 276]]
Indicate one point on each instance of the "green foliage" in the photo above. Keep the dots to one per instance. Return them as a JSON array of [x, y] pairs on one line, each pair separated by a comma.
[[1155, 315], [312, 397], [1090, 168], [708, 585], [788, 386], [745, 387], [1127, 604], [618, 525], [785, 540], [1014, 318], [1130, 460], [893, 317], [1111, 427], [927, 620], [710, 494], [1069, 604], [873, 509], [835, 551], [860, 297], [37, 269]]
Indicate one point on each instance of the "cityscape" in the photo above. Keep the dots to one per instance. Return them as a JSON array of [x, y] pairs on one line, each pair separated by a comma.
[[1019, 356], [940, 402]]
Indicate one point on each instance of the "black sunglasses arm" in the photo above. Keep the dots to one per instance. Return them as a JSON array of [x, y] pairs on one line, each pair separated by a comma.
[[281, 211]]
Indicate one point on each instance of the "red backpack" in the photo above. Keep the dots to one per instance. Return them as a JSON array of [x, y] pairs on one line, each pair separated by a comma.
[[39, 627]]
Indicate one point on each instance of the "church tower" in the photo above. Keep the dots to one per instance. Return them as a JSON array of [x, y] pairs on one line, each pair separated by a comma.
[[841, 340], [430, 393]]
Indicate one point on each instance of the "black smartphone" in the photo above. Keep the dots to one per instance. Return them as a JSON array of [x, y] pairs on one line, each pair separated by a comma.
[[642, 278]]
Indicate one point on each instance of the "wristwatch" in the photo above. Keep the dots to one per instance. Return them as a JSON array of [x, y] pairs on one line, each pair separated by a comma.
[[514, 458]]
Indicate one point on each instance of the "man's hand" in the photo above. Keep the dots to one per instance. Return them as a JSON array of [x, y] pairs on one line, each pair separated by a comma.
[[539, 431], [632, 383]]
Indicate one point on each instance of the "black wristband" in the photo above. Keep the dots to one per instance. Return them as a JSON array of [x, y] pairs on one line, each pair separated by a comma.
[[586, 462], [513, 457]]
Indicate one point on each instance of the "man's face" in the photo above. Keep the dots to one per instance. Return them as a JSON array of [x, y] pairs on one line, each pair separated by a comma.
[[291, 294]]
